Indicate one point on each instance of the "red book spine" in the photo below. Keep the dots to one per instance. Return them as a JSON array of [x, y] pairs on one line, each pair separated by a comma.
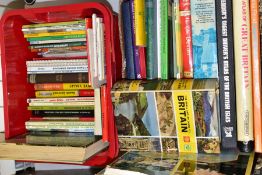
[[142, 60], [186, 38], [86, 93], [87, 119]]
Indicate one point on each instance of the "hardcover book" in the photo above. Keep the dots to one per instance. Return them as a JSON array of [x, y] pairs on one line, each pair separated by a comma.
[[157, 115], [224, 21], [204, 38]]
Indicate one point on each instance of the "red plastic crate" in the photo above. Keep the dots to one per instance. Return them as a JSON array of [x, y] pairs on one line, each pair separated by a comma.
[[15, 52]]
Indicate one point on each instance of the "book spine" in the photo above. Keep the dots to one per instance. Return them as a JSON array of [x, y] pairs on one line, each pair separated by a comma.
[[142, 61], [177, 37], [57, 69], [61, 128], [59, 123], [225, 49], [62, 103], [256, 73], [55, 78], [64, 113], [150, 57], [184, 116], [82, 118], [98, 112], [68, 93], [164, 38], [32, 26], [186, 38], [136, 48], [53, 100], [104, 112], [91, 107], [204, 38], [62, 86], [128, 45], [60, 49], [242, 51], [172, 68], [79, 32], [58, 41], [140, 27], [59, 45], [56, 37]]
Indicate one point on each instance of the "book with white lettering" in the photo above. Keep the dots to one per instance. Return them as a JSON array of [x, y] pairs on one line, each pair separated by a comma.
[[227, 96]]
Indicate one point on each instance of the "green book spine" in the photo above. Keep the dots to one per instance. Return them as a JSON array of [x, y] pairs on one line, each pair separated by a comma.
[[56, 37], [150, 43], [164, 38]]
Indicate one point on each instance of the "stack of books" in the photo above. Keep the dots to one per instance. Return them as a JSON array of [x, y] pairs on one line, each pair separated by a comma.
[[63, 99]]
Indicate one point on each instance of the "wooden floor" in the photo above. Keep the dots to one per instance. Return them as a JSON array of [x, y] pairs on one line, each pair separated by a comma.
[[91, 171]]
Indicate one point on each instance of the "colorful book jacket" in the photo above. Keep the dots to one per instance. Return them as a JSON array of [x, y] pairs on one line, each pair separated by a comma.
[[186, 37], [203, 15], [225, 50], [256, 73], [142, 163], [242, 51], [155, 115]]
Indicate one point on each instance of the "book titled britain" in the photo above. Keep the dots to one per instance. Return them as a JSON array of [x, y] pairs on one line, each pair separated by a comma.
[[167, 115], [225, 50]]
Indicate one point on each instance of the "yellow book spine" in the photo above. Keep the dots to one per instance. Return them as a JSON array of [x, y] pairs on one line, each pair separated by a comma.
[[178, 41], [62, 86], [40, 94], [184, 116], [32, 35], [140, 23]]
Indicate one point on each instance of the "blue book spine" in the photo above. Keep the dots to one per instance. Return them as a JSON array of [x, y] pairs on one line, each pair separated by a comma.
[[204, 38], [135, 48], [128, 44]]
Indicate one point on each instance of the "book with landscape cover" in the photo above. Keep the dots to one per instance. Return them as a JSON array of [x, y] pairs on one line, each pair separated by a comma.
[[153, 115], [225, 50], [149, 163]]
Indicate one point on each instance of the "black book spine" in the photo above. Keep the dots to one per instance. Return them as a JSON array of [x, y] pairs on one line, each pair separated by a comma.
[[225, 49]]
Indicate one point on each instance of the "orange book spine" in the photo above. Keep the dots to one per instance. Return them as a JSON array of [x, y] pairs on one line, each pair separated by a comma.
[[256, 73], [105, 121]]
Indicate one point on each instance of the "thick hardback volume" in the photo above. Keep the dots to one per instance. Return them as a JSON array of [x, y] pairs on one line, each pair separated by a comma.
[[203, 15], [225, 50], [128, 44], [186, 37], [167, 115], [256, 73], [58, 77], [242, 51]]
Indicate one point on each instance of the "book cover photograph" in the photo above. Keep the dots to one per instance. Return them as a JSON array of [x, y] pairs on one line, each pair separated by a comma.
[[155, 115], [148, 163]]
